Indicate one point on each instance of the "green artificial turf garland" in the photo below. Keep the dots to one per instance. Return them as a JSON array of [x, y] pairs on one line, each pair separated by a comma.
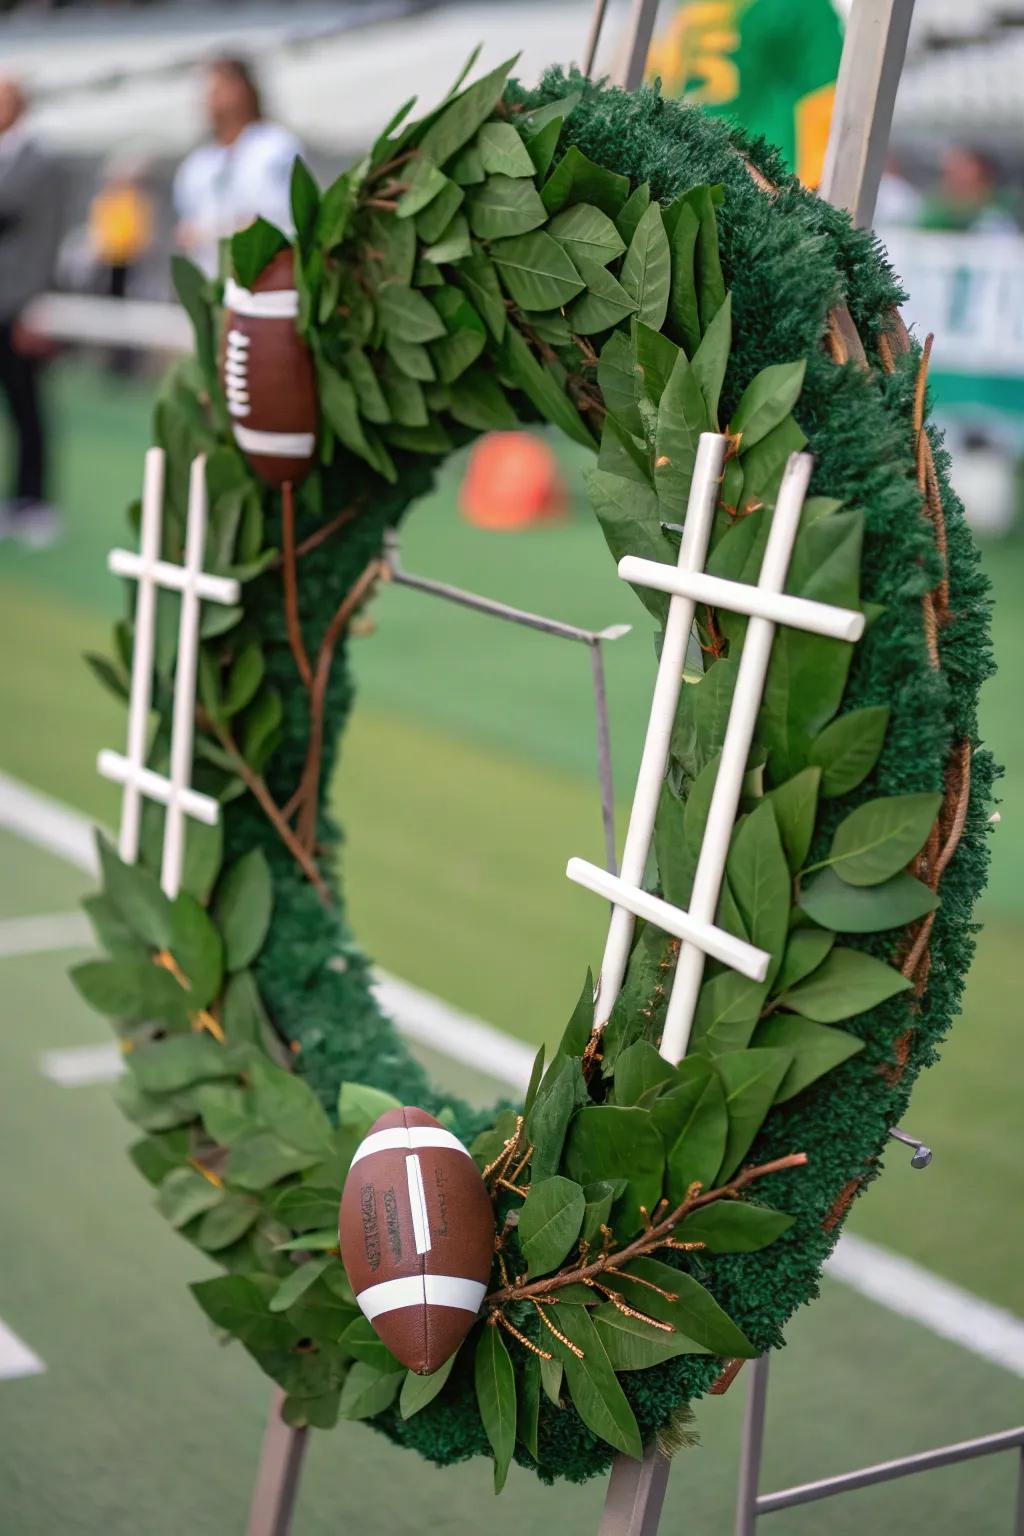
[[636, 274]]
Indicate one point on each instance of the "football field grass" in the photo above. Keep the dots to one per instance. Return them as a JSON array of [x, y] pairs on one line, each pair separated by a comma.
[[466, 781]]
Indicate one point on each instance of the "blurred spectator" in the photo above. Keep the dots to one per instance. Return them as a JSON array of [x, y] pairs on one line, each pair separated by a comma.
[[899, 203], [120, 224], [969, 196], [246, 172], [30, 202]]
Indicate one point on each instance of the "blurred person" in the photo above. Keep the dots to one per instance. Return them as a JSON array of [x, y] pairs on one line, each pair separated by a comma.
[[244, 173], [30, 202], [121, 224], [899, 203], [969, 196]]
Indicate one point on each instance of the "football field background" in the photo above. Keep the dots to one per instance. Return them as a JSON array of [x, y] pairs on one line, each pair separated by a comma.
[[467, 779]]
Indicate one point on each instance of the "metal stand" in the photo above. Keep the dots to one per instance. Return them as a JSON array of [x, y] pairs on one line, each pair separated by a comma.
[[751, 1505], [277, 1481], [636, 1493]]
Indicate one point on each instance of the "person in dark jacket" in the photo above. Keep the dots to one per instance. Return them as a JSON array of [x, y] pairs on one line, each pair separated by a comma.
[[30, 212]]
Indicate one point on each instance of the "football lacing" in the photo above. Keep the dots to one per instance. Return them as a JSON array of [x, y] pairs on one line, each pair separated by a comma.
[[236, 374]]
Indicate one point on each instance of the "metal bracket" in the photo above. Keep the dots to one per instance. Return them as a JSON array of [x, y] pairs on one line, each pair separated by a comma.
[[922, 1154]]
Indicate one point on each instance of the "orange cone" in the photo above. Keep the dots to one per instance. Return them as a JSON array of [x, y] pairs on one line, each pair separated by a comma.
[[512, 481]]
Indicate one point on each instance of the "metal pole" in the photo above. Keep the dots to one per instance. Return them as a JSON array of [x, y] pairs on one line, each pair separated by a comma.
[[632, 62], [277, 1481], [596, 23], [604, 754], [873, 54], [1018, 1518], [752, 1449], [636, 1493]]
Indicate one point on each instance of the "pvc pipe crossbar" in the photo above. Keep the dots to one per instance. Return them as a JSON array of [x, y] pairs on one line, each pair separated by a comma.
[[195, 585], [737, 597]]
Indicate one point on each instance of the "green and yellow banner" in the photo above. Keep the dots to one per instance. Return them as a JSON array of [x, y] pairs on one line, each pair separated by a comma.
[[770, 64]]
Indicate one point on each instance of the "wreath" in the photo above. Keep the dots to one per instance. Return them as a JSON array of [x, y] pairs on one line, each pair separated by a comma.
[[634, 273]]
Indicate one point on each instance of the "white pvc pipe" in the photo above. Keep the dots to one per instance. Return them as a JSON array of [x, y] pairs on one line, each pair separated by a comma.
[[173, 578], [142, 656], [154, 786], [739, 597], [739, 734], [700, 514], [716, 942], [183, 717]]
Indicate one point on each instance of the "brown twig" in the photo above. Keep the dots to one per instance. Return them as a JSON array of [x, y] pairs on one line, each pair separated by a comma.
[[649, 1240], [318, 693], [291, 595], [257, 787]]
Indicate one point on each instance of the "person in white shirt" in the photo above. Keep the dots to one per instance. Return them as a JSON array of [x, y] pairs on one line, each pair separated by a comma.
[[243, 174]]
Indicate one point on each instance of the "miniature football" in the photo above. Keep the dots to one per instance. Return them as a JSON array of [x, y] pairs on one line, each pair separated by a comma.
[[417, 1237], [267, 374]]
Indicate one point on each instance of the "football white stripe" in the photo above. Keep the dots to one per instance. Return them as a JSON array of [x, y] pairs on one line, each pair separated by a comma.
[[277, 304], [408, 1138], [418, 1204], [420, 1290], [278, 445]]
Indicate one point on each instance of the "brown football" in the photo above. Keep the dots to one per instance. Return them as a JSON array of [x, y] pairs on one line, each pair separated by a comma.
[[268, 376], [417, 1237]]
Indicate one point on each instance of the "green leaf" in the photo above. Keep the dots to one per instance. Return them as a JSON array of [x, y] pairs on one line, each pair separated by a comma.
[[467, 169], [767, 399], [227, 1113], [536, 271], [577, 1032], [242, 1017], [549, 1119], [712, 358], [440, 214], [549, 1223], [848, 749], [727, 1011], [702, 717], [536, 1074], [847, 983], [131, 989], [751, 1080], [632, 211], [478, 400], [369, 394], [694, 1312], [865, 909], [252, 249], [633, 1345], [596, 1393], [197, 949], [366, 1392], [502, 151], [795, 804], [551, 1373], [424, 181], [244, 680], [227, 1222], [647, 268], [311, 1412], [505, 206], [185, 1194], [759, 880], [262, 1159], [136, 896], [407, 315], [541, 146], [287, 1104], [732, 1226], [815, 1049], [585, 231], [339, 405], [240, 1305], [412, 359], [682, 417], [457, 124], [305, 204], [630, 520], [640, 1074], [806, 948], [576, 179], [694, 1122], [477, 277], [539, 386], [878, 839], [112, 932], [608, 1141], [765, 463], [599, 1196], [304, 1207], [418, 1391], [683, 307], [604, 304], [336, 206], [529, 1406], [405, 398], [495, 1384], [359, 1106], [360, 1340], [617, 381], [322, 1239], [452, 244], [242, 908]]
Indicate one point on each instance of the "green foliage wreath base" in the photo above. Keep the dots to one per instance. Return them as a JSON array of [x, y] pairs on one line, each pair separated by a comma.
[[787, 259]]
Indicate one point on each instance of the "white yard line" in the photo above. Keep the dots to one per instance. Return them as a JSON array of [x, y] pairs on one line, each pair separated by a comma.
[[16, 1359], [35, 935], [893, 1282]]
